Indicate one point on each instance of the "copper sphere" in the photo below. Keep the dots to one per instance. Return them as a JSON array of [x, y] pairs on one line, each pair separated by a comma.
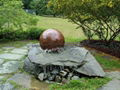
[[51, 39]]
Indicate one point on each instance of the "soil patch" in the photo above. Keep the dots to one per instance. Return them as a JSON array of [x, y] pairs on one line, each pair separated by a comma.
[[112, 48]]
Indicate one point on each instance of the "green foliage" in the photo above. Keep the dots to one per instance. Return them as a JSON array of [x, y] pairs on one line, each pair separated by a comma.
[[31, 33], [26, 3], [97, 18], [82, 84], [13, 17], [34, 33], [40, 6]]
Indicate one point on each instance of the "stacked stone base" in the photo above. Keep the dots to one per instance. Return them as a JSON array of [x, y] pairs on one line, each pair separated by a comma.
[[71, 63]]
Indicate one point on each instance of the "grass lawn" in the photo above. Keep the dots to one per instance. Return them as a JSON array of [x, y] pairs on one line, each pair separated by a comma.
[[108, 64], [68, 29], [82, 84]]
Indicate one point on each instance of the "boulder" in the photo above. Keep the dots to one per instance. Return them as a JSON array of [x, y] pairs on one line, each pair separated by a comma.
[[70, 59]]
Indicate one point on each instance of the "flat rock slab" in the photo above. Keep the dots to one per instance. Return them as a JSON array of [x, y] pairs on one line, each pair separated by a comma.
[[71, 56], [20, 51], [11, 56], [22, 79], [24, 47], [1, 77], [7, 86], [9, 67], [112, 85], [8, 48], [113, 75], [1, 61]]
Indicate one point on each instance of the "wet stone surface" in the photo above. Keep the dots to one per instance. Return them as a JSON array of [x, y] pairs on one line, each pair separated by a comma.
[[7, 86], [1, 77], [1, 61], [11, 56], [9, 67], [8, 48], [114, 84], [19, 51], [11, 61], [21, 79], [58, 66], [113, 75]]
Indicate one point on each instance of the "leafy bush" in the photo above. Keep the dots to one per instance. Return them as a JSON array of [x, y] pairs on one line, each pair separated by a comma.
[[31, 33], [97, 18], [40, 6], [34, 33], [13, 17]]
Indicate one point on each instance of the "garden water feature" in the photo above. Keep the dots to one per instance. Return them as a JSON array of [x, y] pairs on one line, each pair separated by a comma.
[[13, 72], [46, 66], [69, 63], [52, 61]]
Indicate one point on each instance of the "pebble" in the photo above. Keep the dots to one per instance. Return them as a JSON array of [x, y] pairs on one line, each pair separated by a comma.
[[75, 78], [41, 76]]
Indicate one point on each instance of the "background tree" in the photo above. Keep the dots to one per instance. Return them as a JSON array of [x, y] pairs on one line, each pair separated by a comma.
[[97, 18], [13, 17], [40, 7], [26, 3]]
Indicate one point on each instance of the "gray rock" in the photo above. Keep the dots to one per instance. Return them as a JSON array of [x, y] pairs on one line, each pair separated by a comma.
[[9, 67], [47, 81], [25, 47], [7, 86], [21, 79], [41, 76], [75, 78], [58, 78], [70, 76], [31, 67], [8, 48], [2, 77], [11, 56], [19, 51], [113, 75], [51, 78], [112, 85], [55, 72], [63, 73], [91, 67], [6, 51], [1, 61], [77, 57], [69, 57]]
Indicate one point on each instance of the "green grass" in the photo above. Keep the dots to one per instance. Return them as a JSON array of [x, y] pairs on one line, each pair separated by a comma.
[[108, 64], [82, 84], [68, 29]]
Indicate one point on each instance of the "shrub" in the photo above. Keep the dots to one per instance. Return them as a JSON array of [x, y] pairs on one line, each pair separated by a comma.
[[31, 33], [13, 17], [34, 33]]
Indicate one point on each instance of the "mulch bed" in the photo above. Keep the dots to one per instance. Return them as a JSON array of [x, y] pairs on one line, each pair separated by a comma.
[[113, 48]]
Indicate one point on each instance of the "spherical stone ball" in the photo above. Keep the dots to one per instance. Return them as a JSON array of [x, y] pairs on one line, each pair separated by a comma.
[[51, 39]]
